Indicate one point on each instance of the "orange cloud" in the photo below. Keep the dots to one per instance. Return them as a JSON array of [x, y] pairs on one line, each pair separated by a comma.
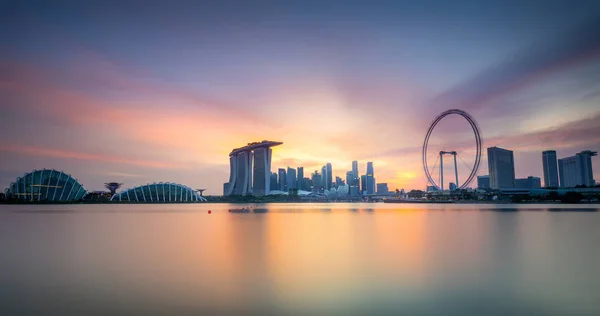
[[57, 153]]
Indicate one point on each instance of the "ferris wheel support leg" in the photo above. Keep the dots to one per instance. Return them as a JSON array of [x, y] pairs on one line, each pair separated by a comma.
[[456, 171], [442, 170]]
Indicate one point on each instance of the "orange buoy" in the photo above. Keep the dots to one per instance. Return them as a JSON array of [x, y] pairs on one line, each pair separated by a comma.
[[209, 212]]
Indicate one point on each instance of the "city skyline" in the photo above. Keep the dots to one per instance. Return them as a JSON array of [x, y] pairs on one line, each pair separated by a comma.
[[79, 96]]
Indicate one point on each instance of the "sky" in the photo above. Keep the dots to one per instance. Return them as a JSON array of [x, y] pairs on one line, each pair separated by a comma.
[[148, 91]]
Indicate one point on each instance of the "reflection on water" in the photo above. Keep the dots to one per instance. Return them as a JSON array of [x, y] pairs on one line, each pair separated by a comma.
[[300, 259]]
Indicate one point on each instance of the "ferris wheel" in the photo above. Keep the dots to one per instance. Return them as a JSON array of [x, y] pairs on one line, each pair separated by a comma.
[[473, 170]]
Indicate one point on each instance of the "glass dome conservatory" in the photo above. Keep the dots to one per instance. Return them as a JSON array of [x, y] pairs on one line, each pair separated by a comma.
[[46, 185], [159, 193]]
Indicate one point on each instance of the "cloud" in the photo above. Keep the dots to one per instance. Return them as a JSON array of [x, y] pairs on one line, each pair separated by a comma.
[[525, 68], [57, 153]]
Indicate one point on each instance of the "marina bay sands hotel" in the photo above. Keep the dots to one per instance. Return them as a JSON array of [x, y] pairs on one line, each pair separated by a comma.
[[251, 162]]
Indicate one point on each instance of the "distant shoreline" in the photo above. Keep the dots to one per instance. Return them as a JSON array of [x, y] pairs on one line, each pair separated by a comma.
[[306, 202]]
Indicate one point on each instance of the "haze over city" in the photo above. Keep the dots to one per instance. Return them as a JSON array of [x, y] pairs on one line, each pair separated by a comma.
[[139, 92]]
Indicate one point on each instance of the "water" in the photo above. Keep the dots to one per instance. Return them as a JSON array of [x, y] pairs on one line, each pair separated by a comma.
[[299, 259]]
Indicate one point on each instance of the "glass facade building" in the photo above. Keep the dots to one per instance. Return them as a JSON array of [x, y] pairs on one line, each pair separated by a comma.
[[159, 193], [46, 185]]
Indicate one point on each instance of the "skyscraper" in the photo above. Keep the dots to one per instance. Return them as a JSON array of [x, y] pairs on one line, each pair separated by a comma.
[[262, 171], [370, 178], [363, 184], [587, 174], [353, 182], [241, 172], [244, 174], [550, 168], [501, 165], [576, 170], [329, 176], [300, 180], [317, 181], [291, 178], [355, 168], [274, 185], [324, 177], [282, 180]]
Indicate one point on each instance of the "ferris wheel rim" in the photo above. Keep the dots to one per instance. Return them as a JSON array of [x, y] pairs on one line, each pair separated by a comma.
[[478, 142]]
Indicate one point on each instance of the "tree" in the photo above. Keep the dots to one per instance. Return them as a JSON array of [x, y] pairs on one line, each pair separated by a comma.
[[572, 197], [552, 196]]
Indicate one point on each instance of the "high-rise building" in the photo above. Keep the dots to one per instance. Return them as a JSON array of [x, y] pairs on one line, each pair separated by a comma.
[[307, 184], [291, 178], [363, 184], [355, 168], [282, 180], [247, 163], [452, 186], [329, 176], [274, 185], [587, 174], [576, 170], [382, 188], [317, 180], [244, 178], [550, 169], [501, 165], [370, 178], [483, 182], [528, 183], [262, 171], [300, 180], [324, 177], [353, 182]]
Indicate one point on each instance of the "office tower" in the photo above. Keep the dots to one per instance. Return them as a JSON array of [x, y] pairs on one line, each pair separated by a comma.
[[329, 176], [274, 185], [382, 188], [576, 170], [370, 178], [363, 184], [355, 168], [587, 174], [307, 184], [262, 171], [528, 183], [483, 182], [282, 180], [501, 165], [300, 181], [291, 178], [353, 183], [550, 169], [324, 177], [317, 181], [452, 186]]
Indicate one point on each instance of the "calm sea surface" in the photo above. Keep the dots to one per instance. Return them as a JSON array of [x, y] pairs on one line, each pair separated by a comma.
[[300, 259]]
